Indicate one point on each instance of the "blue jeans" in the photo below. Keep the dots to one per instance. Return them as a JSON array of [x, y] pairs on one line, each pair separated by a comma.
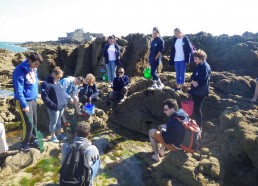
[[111, 70], [55, 120], [180, 68]]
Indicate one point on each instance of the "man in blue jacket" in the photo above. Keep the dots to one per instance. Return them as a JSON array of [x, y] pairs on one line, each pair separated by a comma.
[[170, 135], [25, 84], [120, 84]]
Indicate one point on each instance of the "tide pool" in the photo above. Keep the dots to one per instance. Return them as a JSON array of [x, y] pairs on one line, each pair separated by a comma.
[[12, 46]]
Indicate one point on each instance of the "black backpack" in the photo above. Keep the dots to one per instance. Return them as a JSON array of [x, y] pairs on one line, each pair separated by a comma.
[[75, 170]]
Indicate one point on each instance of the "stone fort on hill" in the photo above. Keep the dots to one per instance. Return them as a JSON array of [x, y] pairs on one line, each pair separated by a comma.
[[80, 35]]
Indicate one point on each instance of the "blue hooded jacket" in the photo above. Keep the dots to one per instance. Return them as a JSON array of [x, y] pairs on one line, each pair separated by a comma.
[[175, 131], [25, 83], [53, 95]]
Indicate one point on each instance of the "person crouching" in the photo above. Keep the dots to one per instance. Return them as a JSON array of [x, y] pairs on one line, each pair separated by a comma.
[[55, 99], [170, 135]]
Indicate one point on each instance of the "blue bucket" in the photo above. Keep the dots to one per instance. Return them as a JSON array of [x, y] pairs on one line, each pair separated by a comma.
[[90, 109]]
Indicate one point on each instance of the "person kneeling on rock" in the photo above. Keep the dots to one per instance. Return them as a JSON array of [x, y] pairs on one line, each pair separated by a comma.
[[120, 84], [70, 171], [55, 99], [4, 152], [89, 91], [170, 135]]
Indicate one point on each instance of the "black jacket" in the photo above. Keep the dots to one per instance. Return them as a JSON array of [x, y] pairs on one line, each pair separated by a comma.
[[120, 82], [53, 95], [201, 74], [89, 91], [157, 45], [105, 53], [175, 131], [186, 47]]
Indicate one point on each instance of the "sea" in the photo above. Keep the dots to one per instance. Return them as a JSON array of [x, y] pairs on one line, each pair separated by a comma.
[[12, 46]]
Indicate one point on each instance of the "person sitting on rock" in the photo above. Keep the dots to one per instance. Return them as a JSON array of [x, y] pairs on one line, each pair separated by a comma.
[[4, 152], [71, 86], [255, 92], [120, 84], [170, 135], [91, 152], [25, 85], [89, 91], [55, 99]]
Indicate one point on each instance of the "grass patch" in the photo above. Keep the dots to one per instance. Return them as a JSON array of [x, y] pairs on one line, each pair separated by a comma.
[[104, 180], [50, 165]]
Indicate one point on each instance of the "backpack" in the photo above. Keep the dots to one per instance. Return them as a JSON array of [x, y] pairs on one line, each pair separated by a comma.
[[192, 136], [75, 170]]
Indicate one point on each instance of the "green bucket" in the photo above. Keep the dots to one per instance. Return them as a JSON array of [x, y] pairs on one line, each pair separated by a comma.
[[105, 77], [147, 73]]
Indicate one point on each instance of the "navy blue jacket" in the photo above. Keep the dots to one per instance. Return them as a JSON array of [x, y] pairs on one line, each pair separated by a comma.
[[175, 131], [186, 47], [120, 82], [157, 45], [105, 53], [89, 91], [201, 74], [53, 95]]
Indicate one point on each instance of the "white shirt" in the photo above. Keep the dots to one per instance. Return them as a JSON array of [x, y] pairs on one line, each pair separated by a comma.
[[112, 53], [179, 56]]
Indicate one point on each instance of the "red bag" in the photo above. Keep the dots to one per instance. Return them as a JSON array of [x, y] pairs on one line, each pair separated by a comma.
[[192, 136]]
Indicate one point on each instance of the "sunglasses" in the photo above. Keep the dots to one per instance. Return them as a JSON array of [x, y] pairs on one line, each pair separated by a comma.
[[120, 72]]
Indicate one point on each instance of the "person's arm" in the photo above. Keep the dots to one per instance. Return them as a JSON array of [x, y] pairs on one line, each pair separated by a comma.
[[64, 151], [202, 75], [92, 156], [161, 48], [19, 87], [65, 84], [126, 81], [169, 135], [188, 49], [95, 91], [44, 95]]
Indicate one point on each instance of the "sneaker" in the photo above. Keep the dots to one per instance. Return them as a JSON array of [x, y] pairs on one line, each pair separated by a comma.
[[34, 144], [61, 137], [25, 147], [160, 86], [154, 86], [54, 139]]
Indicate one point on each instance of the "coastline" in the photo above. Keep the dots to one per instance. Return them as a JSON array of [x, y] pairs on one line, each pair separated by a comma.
[[13, 46]]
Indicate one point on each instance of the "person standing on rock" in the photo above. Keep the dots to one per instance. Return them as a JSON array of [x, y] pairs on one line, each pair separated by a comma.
[[156, 50], [255, 92], [111, 56], [90, 154], [71, 86], [120, 84], [55, 99], [170, 135], [25, 84], [200, 82], [180, 55], [89, 91]]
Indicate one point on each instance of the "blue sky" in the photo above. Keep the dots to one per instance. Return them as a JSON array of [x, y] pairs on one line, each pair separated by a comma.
[[41, 20]]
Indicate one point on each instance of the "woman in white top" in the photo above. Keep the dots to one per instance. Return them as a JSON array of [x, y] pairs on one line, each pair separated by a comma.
[[180, 55], [111, 56]]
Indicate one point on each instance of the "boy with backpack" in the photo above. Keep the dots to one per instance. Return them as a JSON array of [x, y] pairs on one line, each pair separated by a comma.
[[80, 163], [180, 132]]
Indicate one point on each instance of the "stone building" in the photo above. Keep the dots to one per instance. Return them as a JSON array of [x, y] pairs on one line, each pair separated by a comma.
[[80, 35]]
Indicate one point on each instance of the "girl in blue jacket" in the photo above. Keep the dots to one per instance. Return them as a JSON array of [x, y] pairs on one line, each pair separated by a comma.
[[180, 55], [200, 82], [55, 99], [156, 50]]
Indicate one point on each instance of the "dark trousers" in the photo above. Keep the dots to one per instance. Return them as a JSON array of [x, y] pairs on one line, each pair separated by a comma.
[[154, 65], [28, 131], [198, 108], [118, 95]]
